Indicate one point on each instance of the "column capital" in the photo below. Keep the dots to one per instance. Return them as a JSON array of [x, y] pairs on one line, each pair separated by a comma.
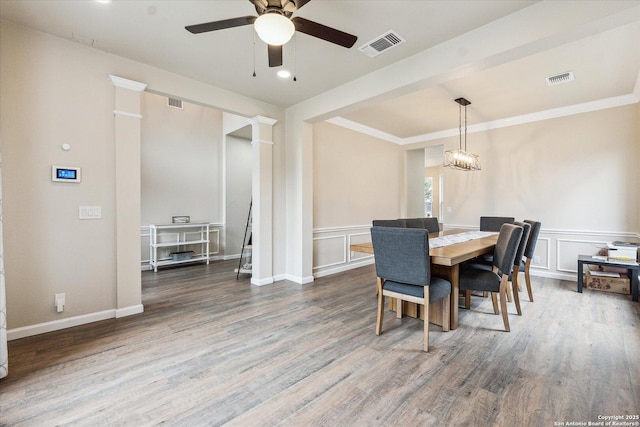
[[262, 120], [127, 84]]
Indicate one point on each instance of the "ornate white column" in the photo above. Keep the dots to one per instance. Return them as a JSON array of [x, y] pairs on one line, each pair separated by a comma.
[[262, 196], [127, 171]]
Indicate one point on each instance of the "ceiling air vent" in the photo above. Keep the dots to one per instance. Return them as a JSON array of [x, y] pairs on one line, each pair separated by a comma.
[[381, 43], [175, 103], [560, 78]]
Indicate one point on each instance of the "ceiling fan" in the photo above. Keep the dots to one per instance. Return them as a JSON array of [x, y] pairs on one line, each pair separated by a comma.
[[275, 26]]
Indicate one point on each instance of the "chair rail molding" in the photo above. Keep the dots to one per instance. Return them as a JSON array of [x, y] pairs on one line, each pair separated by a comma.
[[555, 256]]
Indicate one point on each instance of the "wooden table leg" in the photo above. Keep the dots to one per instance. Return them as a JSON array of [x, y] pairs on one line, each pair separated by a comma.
[[455, 290], [452, 274]]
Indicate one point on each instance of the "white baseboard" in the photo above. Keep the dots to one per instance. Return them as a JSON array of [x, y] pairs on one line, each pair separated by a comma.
[[553, 275], [129, 311], [69, 322], [261, 282], [346, 267], [299, 280], [55, 325]]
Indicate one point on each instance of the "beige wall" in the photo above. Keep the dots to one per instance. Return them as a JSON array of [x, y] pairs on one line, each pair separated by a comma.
[[238, 170], [357, 178], [181, 162], [414, 187], [54, 91], [51, 97], [572, 173]]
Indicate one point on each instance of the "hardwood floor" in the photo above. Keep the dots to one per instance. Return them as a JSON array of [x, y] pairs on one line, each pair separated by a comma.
[[210, 350]]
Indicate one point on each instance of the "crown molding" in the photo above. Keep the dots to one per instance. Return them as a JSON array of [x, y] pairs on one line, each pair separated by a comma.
[[585, 107], [357, 127]]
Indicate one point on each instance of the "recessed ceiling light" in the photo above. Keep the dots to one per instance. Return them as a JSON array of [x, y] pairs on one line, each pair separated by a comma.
[[284, 74], [103, 1]]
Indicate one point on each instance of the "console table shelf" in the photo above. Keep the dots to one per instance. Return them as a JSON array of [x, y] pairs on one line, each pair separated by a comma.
[[632, 267], [179, 234]]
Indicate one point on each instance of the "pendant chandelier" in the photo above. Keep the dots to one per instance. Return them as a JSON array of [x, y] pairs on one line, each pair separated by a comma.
[[462, 159]]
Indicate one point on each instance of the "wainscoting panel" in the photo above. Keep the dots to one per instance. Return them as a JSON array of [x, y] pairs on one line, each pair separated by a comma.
[[356, 238], [542, 254], [331, 252], [569, 249]]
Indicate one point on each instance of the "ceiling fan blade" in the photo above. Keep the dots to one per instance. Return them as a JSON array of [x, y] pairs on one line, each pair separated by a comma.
[[300, 3], [323, 32], [221, 25], [275, 55]]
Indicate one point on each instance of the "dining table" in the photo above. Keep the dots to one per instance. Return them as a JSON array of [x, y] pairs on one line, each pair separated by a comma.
[[448, 249]]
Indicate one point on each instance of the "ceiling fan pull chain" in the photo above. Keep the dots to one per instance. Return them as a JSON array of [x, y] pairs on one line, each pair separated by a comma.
[[254, 54], [295, 57]]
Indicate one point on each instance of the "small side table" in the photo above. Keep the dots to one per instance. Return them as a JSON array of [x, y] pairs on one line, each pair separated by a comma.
[[632, 267]]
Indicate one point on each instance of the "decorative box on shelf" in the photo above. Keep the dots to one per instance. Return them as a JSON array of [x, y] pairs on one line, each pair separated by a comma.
[[609, 282], [623, 251]]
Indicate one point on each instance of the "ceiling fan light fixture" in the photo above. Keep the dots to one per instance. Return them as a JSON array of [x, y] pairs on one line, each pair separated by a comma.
[[274, 29]]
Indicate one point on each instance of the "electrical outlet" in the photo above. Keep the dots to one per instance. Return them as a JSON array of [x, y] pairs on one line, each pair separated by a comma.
[[536, 259], [59, 302]]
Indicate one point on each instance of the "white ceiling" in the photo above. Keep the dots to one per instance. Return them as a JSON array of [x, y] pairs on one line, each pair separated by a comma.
[[606, 62]]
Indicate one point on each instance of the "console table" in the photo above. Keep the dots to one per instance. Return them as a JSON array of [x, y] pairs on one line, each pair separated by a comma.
[[176, 236], [632, 267]]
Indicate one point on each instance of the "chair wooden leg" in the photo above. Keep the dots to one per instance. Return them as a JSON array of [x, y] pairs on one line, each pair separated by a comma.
[[399, 308], [494, 300], [519, 282], [426, 319], [516, 286], [527, 278], [509, 297], [503, 301], [467, 299], [380, 307], [446, 312]]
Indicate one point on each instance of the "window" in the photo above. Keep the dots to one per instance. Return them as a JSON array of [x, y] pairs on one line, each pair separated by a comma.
[[428, 195]]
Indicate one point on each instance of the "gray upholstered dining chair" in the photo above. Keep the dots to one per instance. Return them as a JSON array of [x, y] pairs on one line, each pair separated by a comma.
[[428, 223], [401, 223], [514, 273], [403, 267], [493, 223], [525, 263], [496, 280]]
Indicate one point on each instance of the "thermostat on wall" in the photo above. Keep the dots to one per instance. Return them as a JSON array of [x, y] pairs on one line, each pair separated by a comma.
[[66, 173]]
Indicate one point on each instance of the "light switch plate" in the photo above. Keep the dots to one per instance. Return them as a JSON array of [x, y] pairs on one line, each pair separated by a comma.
[[89, 212]]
